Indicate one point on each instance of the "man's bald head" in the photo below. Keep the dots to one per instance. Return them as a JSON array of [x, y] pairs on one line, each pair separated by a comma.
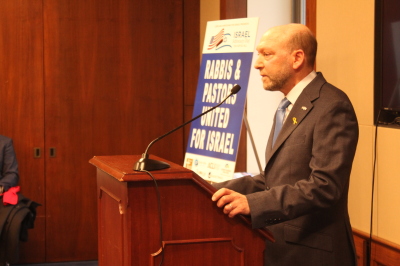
[[294, 37]]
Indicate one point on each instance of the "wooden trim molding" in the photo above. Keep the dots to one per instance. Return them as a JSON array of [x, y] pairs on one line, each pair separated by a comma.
[[230, 10], [311, 15], [383, 252]]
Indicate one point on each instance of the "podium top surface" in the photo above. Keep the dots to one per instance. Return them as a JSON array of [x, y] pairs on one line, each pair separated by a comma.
[[121, 168]]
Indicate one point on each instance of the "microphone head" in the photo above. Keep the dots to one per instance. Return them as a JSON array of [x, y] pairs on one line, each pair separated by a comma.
[[235, 89]]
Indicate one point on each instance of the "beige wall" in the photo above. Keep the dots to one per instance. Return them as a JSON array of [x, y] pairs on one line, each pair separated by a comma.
[[345, 31]]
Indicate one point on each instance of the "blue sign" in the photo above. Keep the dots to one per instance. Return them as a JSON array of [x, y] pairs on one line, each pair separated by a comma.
[[217, 133], [214, 138]]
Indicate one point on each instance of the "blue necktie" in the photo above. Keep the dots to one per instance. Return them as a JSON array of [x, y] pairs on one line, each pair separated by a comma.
[[280, 114]]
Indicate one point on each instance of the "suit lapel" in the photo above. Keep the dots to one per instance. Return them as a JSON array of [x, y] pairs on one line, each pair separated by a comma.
[[301, 108]]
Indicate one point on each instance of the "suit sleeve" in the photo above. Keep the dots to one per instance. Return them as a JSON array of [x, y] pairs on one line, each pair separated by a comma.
[[9, 174], [244, 185], [333, 137]]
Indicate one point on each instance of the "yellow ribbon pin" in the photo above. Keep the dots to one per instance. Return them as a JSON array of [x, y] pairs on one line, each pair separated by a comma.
[[294, 120]]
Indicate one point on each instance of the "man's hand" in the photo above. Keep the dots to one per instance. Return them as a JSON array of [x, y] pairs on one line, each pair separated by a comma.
[[233, 203]]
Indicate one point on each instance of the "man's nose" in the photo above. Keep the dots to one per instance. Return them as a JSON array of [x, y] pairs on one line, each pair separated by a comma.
[[257, 63]]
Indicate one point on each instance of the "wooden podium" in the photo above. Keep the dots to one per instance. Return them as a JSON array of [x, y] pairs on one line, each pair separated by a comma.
[[195, 230]]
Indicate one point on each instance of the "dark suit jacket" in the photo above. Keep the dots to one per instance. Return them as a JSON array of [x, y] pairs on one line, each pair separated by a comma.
[[302, 195], [8, 164]]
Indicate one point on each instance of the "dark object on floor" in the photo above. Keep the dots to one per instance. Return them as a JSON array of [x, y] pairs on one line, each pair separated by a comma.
[[15, 220]]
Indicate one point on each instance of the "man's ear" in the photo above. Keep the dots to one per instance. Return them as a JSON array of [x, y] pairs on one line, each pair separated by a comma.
[[298, 58]]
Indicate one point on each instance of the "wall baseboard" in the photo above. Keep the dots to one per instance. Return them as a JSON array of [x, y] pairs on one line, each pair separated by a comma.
[[383, 252]]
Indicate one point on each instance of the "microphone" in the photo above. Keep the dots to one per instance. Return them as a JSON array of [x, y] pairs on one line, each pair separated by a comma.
[[147, 164]]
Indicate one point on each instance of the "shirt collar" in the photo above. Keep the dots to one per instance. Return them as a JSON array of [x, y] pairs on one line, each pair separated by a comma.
[[298, 89]]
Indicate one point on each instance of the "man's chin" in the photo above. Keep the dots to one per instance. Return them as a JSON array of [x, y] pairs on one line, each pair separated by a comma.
[[271, 88]]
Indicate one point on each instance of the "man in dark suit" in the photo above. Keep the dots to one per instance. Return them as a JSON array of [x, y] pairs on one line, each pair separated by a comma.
[[8, 165], [301, 196]]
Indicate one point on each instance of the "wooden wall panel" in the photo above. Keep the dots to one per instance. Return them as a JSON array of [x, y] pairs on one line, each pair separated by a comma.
[[383, 252], [233, 9], [88, 78], [191, 60], [361, 250], [113, 83], [21, 104]]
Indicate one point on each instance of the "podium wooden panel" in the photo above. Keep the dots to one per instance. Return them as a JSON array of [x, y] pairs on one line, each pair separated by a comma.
[[195, 231]]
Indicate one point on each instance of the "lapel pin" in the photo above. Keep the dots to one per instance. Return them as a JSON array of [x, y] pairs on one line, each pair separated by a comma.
[[304, 108], [294, 120]]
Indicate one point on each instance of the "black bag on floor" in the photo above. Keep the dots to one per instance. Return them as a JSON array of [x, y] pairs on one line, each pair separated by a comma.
[[15, 220]]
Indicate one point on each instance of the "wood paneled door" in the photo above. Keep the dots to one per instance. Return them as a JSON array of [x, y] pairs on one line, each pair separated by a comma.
[[22, 103], [83, 78]]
